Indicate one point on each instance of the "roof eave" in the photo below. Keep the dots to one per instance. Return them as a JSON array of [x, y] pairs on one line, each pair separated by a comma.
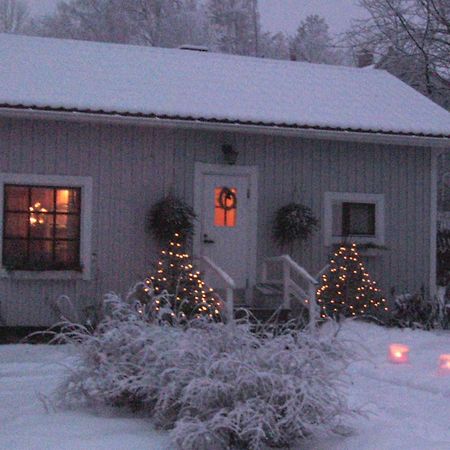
[[442, 142]]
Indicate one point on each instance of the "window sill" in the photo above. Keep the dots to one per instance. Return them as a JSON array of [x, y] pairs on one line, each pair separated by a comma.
[[366, 246], [43, 275]]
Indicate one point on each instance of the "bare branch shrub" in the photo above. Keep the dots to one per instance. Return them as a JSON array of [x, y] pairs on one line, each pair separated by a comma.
[[214, 385]]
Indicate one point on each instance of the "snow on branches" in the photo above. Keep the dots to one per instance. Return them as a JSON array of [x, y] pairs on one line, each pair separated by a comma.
[[214, 385]]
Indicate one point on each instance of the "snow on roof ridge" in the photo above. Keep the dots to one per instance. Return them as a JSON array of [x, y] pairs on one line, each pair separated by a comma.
[[209, 54]]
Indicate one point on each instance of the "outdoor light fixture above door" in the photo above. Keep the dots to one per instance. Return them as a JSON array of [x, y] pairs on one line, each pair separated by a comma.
[[229, 154]]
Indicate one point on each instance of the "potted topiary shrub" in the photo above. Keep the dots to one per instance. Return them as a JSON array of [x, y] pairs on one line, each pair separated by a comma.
[[169, 216], [293, 222]]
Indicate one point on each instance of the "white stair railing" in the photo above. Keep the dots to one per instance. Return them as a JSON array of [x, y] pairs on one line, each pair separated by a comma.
[[290, 287], [228, 282]]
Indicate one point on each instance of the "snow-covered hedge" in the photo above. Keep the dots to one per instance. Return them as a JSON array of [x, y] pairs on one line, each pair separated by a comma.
[[214, 385]]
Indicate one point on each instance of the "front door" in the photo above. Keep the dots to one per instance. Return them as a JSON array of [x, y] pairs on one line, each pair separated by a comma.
[[227, 229]]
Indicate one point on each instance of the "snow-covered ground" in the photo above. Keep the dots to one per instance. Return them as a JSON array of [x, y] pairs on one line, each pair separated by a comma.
[[408, 406], [28, 374]]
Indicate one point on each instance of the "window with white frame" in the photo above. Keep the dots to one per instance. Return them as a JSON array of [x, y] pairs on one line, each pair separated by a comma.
[[353, 217], [45, 223]]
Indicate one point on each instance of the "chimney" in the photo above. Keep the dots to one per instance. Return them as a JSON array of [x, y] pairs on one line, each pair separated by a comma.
[[365, 58], [193, 48]]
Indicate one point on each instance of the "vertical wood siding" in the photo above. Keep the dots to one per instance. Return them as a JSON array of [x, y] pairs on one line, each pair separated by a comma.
[[132, 167]]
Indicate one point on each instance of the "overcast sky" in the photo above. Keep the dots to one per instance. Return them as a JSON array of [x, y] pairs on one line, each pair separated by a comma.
[[285, 15], [276, 15]]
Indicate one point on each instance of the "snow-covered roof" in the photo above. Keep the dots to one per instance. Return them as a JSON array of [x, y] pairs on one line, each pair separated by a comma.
[[171, 83]]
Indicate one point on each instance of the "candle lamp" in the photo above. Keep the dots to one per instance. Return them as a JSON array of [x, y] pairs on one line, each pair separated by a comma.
[[444, 364], [398, 353]]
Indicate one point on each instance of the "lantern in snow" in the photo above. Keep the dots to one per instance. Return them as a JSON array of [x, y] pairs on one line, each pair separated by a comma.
[[444, 364], [398, 353]]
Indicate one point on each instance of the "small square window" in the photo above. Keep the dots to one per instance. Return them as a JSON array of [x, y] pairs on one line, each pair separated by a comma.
[[358, 219], [354, 216]]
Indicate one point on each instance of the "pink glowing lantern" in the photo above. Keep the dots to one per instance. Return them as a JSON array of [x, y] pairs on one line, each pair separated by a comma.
[[398, 353], [444, 364]]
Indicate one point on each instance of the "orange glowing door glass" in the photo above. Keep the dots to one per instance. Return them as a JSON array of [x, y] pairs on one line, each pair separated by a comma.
[[225, 214]]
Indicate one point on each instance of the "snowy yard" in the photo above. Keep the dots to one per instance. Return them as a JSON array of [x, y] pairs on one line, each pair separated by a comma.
[[407, 406]]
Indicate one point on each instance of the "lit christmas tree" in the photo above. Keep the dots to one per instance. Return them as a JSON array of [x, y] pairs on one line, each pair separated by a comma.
[[347, 288], [188, 294]]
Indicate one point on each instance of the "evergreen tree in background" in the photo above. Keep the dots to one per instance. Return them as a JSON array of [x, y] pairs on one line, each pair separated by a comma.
[[313, 43], [186, 291], [235, 26], [347, 289]]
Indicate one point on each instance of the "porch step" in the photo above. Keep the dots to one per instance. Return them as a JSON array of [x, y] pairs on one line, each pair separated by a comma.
[[264, 315], [269, 289], [267, 296]]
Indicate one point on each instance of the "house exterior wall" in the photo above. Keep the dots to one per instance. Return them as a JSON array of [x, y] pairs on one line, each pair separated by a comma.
[[134, 166]]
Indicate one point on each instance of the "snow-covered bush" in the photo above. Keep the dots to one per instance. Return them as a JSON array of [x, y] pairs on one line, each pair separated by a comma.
[[415, 311], [214, 385]]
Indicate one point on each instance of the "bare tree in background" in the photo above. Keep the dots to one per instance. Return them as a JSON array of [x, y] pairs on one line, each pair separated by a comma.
[[93, 20], [160, 23], [411, 39], [236, 26], [168, 23], [229, 26], [13, 16], [275, 46]]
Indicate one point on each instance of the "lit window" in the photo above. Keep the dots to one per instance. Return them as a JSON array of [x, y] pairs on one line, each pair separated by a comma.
[[225, 207], [41, 228]]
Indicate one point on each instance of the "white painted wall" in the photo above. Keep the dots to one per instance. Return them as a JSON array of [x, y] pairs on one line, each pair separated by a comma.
[[133, 166]]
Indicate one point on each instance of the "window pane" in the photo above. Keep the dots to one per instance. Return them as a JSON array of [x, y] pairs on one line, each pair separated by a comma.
[[42, 199], [66, 253], [68, 200], [16, 198], [358, 219], [67, 226], [14, 253], [41, 225], [41, 254], [225, 207], [16, 225], [41, 228]]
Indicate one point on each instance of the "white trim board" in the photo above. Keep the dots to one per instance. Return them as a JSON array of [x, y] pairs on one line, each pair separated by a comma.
[[331, 198], [85, 183], [307, 133], [202, 169], [433, 223]]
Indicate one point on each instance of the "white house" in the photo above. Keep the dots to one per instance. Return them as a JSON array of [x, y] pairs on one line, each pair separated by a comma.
[[93, 134]]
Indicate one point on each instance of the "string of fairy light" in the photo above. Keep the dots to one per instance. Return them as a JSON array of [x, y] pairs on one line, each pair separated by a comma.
[[368, 295], [206, 302]]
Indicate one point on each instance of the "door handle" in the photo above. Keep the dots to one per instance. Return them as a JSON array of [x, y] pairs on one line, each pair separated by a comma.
[[206, 240]]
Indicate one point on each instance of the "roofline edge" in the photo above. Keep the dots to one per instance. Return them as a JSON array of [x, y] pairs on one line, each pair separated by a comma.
[[309, 133]]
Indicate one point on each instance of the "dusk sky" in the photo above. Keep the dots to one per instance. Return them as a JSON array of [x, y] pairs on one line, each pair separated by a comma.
[[276, 15]]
